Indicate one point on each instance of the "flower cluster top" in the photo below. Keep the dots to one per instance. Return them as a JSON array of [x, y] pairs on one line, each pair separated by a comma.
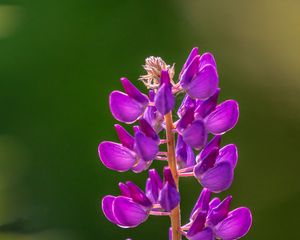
[[199, 125]]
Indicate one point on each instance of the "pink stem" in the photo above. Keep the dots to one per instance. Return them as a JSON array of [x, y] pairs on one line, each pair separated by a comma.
[[156, 213], [186, 174]]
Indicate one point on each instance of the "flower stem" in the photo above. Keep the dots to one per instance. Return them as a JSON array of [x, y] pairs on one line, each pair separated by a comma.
[[175, 213]]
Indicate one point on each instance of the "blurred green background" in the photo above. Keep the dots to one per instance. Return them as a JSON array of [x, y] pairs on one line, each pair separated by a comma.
[[60, 59]]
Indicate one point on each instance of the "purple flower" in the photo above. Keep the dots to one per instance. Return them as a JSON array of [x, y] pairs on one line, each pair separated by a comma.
[[135, 153], [164, 99], [215, 167], [133, 206], [198, 118], [213, 219], [199, 77], [152, 115], [129, 106]]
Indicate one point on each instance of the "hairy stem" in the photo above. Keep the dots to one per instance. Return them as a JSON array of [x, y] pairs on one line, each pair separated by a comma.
[[175, 213]]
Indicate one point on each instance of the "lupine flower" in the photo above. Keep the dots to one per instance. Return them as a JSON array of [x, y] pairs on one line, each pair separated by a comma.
[[212, 219], [129, 106], [133, 206], [199, 77], [215, 167], [135, 153], [199, 118]]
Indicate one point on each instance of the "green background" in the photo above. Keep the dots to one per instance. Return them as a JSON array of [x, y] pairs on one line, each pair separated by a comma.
[[60, 59]]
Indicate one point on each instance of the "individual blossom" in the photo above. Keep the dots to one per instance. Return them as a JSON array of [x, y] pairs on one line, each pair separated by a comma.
[[134, 206], [129, 106], [214, 167], [199, 77], [135, 153], [198, 118], [213, 219]]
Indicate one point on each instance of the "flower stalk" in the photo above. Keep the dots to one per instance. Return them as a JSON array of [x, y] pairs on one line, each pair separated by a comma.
[[175, 214]]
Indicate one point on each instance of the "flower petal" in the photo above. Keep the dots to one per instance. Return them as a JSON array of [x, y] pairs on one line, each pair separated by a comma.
[[146, 147], [141, 165], [195, 135], [204, 84], [205, 107], [152, 115], [124, 108], [116, 157], [197, 225], [228, 153], [125, 138], [207, 58], [214, 144], [202, 202], [185, 120], [128, 213], [107, 204], [153, 186], [223, 118], [164, 99], [189, 73], [218, 213], [124, 189], [147, 129], [205, 234], [191, 56], [218, 178], [184, 154], [133, 92], [236, 225], [186, 103], [138, 195], [214, 202], [168, 197]]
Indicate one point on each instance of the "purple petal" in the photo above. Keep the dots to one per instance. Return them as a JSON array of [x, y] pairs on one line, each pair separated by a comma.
[[205, 234], [133, 92], [186, 103], [168, 177], [124, 190], [138, 195], [116, 157], [146, 128], [191, 56], [220, 212], [207, 58], [141, 165], [202, 202], [204, 84], [128, 213], [228, 153], [107, 208], [214, 144], [223, 118], [236, 225], [195, 135], [218, 178], [153, 186], [205, 107], [214, 202], [168, 197], [125, 138], [146, 147], [164, 99], [184, 154], [197, 225], [189, 73], [152, 116], [124, 108], [185, 120], [205, 164]]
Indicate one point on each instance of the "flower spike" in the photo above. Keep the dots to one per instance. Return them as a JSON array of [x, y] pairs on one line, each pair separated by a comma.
[[188, 143]]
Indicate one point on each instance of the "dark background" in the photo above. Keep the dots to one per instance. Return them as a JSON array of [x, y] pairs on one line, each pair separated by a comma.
[[60, 59]]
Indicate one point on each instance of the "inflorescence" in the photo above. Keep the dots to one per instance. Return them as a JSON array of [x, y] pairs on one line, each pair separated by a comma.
[[193, 145]]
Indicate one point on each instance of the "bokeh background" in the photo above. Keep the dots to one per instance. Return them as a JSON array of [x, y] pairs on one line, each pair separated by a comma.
[[59, 60]]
